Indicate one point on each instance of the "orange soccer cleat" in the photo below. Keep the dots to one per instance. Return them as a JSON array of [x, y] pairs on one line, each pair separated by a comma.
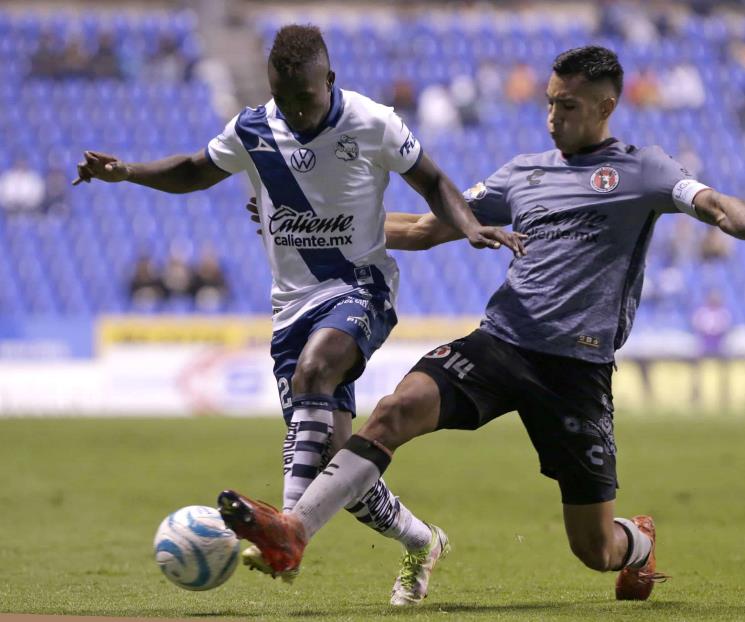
[[637, 583], [280, 537]]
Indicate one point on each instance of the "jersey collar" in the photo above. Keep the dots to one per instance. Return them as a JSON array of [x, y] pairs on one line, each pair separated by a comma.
[[591, 148], [332, 118]]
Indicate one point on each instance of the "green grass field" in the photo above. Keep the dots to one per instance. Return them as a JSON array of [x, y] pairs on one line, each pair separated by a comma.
[[80, 501]]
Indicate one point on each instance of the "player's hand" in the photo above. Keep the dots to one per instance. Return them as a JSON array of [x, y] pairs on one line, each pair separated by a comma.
[[101, 166], [253, 208], [494, 237]]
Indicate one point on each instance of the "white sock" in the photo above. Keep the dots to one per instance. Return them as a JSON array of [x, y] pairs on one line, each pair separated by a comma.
[[639, 543], [306, 444], [346, 478], [380, 510]]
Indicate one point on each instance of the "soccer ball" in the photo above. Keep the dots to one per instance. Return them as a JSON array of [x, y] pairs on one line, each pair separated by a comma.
[[194, 548]]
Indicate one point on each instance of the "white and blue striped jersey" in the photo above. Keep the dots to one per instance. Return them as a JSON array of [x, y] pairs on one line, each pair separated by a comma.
[[320, 196]]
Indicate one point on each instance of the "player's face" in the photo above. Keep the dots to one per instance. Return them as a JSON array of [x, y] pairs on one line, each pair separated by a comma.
[[578, 112], [303, 97]]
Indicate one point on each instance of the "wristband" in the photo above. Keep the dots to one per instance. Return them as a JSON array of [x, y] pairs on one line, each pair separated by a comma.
[[683, 194]]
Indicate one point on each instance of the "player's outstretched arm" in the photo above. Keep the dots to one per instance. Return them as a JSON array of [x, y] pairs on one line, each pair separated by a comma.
[[448, 204], [176, 174], [417, 232], [721, 210]]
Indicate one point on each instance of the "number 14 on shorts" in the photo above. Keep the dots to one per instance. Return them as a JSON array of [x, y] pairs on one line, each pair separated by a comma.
[[459, 364]]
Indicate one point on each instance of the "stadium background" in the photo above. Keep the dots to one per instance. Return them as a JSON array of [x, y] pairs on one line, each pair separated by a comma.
[[469, 79]]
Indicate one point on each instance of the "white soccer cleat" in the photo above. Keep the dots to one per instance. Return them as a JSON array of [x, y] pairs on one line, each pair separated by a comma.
[[412, 581], [254, 560]]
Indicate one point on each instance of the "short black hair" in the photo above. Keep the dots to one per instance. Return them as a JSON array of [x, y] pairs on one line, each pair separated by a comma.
[[594, 62], [295, 46]]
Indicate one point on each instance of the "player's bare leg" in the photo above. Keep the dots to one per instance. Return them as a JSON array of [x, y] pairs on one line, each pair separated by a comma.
[[604, 543], [599, 542], [318, 431], [411, 411]]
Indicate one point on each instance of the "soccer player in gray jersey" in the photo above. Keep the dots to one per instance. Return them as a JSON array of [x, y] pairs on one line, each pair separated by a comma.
[[546, 344]]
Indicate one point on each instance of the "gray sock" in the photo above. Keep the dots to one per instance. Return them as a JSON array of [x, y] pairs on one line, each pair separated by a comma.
[[344, 480]]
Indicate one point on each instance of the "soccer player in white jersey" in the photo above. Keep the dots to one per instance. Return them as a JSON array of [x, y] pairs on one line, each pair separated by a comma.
[[319, 160], [547, 341]]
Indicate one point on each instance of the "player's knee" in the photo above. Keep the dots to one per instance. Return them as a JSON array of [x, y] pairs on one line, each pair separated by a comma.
[[594, 553], [387, 415], [393, 415], [311, 376]]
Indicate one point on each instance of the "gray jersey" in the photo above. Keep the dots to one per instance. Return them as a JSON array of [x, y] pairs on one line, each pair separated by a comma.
[[589, 220]]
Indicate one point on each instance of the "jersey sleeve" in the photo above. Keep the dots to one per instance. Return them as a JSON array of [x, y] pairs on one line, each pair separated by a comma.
[[668, 183], [227, 151], [400, 150], [488, 199]]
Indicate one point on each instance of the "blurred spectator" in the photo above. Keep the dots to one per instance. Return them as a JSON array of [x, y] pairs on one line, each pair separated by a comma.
[[178, 276], [736, 50], [56, 193], [146, 289], [627, 20], [701, 8], [437, 110], [666, 286], [489, 85], [21, 188], [465, 97], [611, 16], [45, 61], [740, 110], [643, 88], [712, 321], [215, 73], [689, 159], [664, 283], [168, 63], [680, 242], [403, 99], [106, 62], [664, 22], [521, 85], [682, 87], [489, 80], [715, 245], [75, 62], [210, 286]]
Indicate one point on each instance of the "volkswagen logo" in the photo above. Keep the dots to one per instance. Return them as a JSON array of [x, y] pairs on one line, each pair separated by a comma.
[[303, 160]]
